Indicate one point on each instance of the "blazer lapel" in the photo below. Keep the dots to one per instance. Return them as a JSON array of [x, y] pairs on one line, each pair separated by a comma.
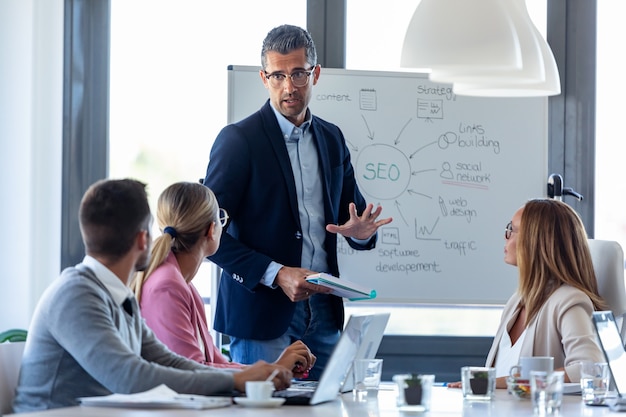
[[277, 142], [322, 152]]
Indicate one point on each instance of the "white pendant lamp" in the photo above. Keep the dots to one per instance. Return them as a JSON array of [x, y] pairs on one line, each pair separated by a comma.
[[536, 76], [550, 86], [532, 68], [461, 35]]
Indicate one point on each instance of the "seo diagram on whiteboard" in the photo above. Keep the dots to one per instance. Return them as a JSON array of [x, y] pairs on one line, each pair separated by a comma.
[[450, 170]]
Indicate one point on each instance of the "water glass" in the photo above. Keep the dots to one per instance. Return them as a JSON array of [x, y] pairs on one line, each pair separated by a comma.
[[367, 374], [594, 382], [546, 391], [478, 383]]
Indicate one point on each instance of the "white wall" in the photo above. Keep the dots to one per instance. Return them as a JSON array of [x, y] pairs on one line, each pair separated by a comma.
[[31, 102]]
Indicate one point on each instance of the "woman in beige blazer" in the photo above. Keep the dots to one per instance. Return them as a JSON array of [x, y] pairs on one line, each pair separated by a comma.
[[549, 315]]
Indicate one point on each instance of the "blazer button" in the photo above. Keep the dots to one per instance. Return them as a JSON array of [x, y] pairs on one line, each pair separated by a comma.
[[298, 235]]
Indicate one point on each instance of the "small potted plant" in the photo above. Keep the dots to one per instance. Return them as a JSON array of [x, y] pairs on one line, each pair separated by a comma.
[[413, 390], [479, 382]]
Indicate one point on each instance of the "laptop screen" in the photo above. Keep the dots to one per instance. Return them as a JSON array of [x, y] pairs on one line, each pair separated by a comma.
[[611, 344], [368, 346], [339, 363]]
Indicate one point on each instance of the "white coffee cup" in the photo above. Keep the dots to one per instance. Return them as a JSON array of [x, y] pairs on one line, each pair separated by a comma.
[[259, 390], [532, 363]]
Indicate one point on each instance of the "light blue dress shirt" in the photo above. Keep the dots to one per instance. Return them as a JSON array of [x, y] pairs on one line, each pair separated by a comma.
[[308, 178], [309, 192]]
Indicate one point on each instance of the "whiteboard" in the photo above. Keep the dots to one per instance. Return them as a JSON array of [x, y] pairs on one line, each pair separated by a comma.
[[450, 170]]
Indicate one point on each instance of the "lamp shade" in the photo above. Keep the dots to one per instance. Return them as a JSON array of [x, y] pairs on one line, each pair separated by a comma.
[[549, 86], [532, 69], [461, 35], [471, 55]]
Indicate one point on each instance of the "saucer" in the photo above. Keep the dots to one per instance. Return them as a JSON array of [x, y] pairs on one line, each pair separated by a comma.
[[571, 388], [269, 403]]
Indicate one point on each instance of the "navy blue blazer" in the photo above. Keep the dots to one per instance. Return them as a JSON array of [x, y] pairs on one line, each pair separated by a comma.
[[250, 173]]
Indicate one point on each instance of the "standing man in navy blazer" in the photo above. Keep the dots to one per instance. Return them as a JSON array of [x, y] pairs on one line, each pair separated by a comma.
[[286, 180]]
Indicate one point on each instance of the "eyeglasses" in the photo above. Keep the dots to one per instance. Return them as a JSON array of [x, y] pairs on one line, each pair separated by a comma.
[[223, 217], [508, 230], [298, 78]]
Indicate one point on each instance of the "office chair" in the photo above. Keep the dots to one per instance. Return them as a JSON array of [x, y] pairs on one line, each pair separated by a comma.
[[608, 263], [10, 362], [13, 335]]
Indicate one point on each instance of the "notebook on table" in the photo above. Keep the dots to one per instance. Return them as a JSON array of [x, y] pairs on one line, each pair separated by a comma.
[[339, 364], [613, 348], [160, 396]]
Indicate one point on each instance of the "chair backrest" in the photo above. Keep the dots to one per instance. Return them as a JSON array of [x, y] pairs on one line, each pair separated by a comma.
[[10, 361], [13, 335], [608, 263]]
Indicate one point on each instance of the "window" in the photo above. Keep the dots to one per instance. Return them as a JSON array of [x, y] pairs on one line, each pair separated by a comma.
[[610, 187], [370, 47], [168, 84]]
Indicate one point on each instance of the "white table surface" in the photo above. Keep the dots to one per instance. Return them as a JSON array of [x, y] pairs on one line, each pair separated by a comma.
[[445, 402]]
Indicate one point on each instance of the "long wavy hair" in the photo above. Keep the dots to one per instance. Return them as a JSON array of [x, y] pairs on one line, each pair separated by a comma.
[[190, 209], [552, 250]]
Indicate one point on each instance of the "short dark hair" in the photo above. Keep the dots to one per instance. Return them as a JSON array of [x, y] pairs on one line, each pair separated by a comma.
[[287, 38], [111, 214]]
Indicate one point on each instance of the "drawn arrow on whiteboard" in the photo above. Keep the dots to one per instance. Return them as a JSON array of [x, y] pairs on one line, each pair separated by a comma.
[[428, 144], [397, 204], [370, 134], [401, 130], [410, 191]]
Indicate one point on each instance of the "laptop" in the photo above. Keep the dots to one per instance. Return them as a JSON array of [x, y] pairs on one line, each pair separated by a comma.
[[369, 345], [339, 364], [613, 348]]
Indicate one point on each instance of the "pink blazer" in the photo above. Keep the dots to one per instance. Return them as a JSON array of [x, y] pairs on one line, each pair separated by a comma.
[[174, 310]]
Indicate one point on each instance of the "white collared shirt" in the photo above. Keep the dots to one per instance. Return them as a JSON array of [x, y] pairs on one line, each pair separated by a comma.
[[113, 284]]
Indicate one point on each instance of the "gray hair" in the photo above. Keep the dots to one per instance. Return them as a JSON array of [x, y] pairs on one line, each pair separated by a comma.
[[287, 38]]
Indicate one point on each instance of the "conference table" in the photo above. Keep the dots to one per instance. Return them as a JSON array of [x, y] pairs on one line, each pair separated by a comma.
[[445, 402]]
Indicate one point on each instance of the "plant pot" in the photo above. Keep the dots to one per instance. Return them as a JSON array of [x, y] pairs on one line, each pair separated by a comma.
[[479, 385], [413, 395]]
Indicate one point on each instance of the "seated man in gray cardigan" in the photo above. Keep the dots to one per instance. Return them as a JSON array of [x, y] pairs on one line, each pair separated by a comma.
[[87, 336]]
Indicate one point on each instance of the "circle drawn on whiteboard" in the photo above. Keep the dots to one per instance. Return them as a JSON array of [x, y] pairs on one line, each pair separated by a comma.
[[383, 171], [447, 139]]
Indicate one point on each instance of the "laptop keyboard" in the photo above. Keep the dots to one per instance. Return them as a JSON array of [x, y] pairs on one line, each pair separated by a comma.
[[292, 393], [304, 384]]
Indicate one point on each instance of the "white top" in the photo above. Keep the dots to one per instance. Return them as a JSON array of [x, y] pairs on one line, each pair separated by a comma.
[[508, 356]]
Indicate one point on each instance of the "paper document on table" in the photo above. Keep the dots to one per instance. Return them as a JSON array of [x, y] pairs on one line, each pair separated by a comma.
[[158, 397], [342, 287]]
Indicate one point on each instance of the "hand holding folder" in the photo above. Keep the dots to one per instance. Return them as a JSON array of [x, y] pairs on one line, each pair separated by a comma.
[[342, 287]]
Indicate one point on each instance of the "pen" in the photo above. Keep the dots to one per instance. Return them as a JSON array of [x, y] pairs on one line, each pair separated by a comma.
[[440, 384]]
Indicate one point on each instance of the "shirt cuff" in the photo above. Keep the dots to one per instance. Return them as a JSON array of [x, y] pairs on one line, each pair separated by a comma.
[[362, 241], [270, 274]]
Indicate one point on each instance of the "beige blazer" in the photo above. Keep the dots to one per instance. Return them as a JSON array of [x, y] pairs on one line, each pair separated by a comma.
[[562, 329]]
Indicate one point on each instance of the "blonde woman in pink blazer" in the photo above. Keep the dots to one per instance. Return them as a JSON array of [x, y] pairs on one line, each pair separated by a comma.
[[191, 222]]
